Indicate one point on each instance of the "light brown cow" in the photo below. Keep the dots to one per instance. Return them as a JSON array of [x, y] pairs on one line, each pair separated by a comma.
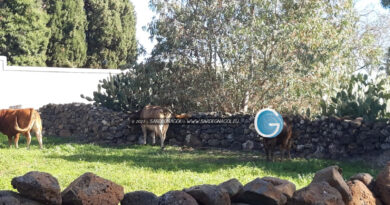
[[284, 141], [11, 121], [161, 117]]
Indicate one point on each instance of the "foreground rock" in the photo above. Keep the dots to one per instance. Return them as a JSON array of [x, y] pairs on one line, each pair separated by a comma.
[[320, 193], [360, 194], [12, 198], [177, 198], [366, 178], [209, 195], [260, 192], [38, 186], [382, 184], [140, 198], [284, 186], [333, 176], [92, 189], [232, 187]]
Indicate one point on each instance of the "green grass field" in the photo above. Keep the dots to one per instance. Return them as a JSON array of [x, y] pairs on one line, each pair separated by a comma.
[[148, 168]]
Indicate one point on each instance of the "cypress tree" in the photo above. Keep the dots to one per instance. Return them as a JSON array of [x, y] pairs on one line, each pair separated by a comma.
[[24, 35], [111, 33], [68, 22]]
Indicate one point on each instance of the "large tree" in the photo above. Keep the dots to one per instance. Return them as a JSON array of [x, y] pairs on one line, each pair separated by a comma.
[[23, 32], [244, 55], [68, 23], [111, 33]]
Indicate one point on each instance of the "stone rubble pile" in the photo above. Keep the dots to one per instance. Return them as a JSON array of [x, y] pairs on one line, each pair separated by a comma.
[[328, 187]]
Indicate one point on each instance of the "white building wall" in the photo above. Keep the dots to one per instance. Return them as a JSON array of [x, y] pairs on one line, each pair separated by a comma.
[[38, 86]]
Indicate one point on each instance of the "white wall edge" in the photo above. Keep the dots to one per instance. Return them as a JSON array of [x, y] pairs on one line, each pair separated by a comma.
[[62, 70], [3, 63], [29, 86]]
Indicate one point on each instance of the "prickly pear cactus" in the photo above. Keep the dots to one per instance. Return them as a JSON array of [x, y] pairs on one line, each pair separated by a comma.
[[360, 97]]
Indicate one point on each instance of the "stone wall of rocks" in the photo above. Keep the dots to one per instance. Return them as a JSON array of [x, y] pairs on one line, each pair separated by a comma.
[[322, 138], [327, 187]]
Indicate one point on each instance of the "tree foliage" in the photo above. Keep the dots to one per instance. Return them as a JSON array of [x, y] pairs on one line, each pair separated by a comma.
[[256, 53], [69, 33], [244, 55], [111, 33], [68, 22], [23, 35]]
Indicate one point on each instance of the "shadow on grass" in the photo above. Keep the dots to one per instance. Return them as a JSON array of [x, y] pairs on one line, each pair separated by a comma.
[[174, 159], [47, 141], [199, 162]]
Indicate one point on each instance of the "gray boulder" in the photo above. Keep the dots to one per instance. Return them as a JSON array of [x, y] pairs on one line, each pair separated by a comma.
[[176, 198], [140, 198], [38, 186], [209, 195], [92, 189]]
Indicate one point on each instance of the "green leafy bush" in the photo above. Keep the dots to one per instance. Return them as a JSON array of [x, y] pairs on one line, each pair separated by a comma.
[[360, 97]]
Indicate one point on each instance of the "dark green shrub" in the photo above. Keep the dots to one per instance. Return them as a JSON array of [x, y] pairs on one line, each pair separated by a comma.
[[110, 33], [23, 32], [68, 23]]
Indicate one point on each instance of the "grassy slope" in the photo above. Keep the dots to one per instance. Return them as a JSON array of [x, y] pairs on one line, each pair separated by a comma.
[[147, 168]]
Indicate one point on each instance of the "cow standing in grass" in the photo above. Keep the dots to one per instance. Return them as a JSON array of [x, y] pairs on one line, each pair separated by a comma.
[[14, 122], [284, 141], [156, 119], [161, 116]]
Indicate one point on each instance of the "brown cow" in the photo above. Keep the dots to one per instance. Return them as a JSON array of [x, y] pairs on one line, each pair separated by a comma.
[[284, 141], [159, 127], [11, 121], [161, 116]]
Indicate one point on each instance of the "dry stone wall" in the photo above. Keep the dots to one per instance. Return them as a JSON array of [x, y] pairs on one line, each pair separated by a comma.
[[331, 138]]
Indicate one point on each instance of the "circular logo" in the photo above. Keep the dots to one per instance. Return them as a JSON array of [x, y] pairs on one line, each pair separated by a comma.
[[268, 123]]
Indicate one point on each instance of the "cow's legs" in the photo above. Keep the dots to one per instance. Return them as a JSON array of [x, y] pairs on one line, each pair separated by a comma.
[[37, 129], [289, 149], [10, 141], [282, 150], [28, 137], [16, 140], [144, 131], [289, 154], [272, 153], [162, 138], [160, 132], [39, 138], [153, 134]]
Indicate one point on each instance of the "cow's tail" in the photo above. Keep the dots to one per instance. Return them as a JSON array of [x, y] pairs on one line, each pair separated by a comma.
[[17, 128]]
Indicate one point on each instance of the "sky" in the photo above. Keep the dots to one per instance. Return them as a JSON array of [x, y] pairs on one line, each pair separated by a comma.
[[375, 4], [145, 15], [373, 14]]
